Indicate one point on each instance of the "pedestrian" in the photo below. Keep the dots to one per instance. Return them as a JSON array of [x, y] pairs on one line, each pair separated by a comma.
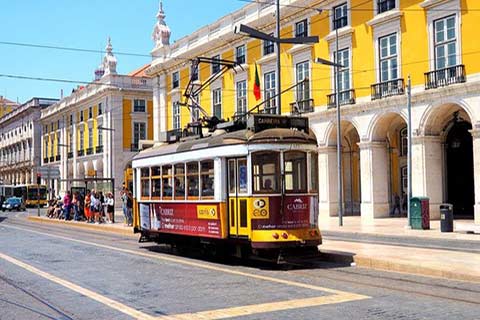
[[110, 207], [94, 206], [67, 202], [127, 205], [75, 203], [396, 205], [86, 207]]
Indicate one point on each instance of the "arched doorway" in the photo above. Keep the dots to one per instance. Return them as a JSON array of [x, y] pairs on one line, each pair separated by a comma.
[[459, 168]]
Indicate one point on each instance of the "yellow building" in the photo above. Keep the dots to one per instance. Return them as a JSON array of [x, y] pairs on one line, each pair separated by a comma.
[[380, 44], [6, 106], [94, 133]]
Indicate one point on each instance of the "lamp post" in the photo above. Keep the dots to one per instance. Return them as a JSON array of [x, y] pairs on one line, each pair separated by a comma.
[[254, 33], [339, 140], [111, 130]]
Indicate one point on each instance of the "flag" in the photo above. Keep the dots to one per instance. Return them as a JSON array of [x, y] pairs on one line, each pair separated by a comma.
[[256, 85]]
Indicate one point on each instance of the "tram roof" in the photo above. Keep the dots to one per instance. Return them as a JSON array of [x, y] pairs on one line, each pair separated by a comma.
[[245, 136]]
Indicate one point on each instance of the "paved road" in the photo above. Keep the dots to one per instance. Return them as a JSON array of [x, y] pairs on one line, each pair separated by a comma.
[[49, 272]]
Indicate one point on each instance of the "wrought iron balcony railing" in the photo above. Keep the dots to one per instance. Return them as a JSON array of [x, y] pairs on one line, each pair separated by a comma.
[[89, 151], [45, 160], [98, 149], [57, 157], [52, 158], [444, 77], [346, 97], [134, 147], [70, 155], [80, 153], [303, 106], [387, 89]]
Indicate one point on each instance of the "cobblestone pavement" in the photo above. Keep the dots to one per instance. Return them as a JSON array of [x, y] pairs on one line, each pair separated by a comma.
[[47, 272]]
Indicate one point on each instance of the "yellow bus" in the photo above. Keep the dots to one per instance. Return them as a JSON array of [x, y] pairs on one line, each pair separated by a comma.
[[29, 193]]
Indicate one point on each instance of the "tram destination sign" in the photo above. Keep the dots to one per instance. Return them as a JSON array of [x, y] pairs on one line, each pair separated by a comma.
[[259, 122]]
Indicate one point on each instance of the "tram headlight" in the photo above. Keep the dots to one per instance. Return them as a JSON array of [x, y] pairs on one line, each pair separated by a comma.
[[285, 235], [275, 235]]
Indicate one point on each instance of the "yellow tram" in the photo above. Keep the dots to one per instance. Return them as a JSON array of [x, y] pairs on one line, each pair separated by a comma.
[[252, 188]]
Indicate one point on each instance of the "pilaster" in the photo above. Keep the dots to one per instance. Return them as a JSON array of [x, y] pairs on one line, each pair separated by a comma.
[[327, 178], [476, 172]]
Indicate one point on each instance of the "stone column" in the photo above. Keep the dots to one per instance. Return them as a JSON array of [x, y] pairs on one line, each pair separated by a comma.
[[328, 184], [476, 172], [374, 177], [427, 171]]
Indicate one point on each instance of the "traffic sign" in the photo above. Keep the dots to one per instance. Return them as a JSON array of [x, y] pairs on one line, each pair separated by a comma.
[[48, 172]]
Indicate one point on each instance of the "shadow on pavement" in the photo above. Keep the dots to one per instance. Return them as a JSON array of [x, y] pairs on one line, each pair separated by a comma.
[[313, 260]]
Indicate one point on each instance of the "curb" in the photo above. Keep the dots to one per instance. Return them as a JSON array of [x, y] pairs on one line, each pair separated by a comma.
[[80, 225], [393, 266]]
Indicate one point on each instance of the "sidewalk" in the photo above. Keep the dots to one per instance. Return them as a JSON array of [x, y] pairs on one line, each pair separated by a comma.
[[388, 245], [119, 227]]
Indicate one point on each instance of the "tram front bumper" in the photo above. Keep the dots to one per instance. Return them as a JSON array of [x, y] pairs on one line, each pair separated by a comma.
[[270, 239]]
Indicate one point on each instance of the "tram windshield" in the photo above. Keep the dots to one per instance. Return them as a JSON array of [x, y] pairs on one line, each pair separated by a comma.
[[295, 166], [266, 172]]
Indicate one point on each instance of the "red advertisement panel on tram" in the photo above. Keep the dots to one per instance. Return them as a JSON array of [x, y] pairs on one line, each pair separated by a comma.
[[187, 219]]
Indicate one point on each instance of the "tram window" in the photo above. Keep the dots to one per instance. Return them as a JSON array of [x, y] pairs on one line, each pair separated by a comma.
[[231, 176], [179, 178], [295, 166], [207, 179], [145, 182], [167, 182], [265, 172], [192, 180], [156, 182], [314, 172]]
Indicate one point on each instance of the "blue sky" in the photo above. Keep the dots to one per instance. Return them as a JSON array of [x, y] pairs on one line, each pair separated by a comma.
[[87, 24]]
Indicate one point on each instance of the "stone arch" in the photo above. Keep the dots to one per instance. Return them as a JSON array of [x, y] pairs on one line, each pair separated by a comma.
[[380, 123], [435, 119]]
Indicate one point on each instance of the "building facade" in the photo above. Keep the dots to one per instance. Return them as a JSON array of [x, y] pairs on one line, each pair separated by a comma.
[[380, 44], [20, 144], [94, 132]]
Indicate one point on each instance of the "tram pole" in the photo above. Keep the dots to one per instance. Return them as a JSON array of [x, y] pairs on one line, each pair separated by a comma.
[[409, 150]]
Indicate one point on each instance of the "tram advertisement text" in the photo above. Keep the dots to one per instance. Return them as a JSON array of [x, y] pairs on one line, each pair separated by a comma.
[[188, 219]]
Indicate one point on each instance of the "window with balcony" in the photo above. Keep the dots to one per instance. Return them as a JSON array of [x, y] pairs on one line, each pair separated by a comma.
[[303, 102], [385, 5], [71, 119], [240, 54], [269, 82], [175, 80], [195, 113], [241, 97], [215, 65], [139, 105], [81, 116], [390, 84], [268, 47], [340, 16], [176, 115], [100, 108], [90, 112], [447, 70], [90, 138], [82, 145], [301, 28], [217, 102], [343, 57], [139, 133]]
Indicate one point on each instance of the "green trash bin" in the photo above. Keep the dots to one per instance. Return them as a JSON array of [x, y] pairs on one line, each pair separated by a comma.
[[420, 213]]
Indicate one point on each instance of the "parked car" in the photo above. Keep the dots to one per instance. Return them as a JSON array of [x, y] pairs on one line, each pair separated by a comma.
[[13, 203]]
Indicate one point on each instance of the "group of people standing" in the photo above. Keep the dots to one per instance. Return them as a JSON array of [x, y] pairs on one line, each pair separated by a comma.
[[95, 207]]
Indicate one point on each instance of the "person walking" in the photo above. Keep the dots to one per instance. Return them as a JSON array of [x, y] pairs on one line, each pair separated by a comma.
[[94, 206], [396, 205], [67, 202], [127, 205]]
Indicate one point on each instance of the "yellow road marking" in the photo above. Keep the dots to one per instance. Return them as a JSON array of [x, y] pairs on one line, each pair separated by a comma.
[[270, 307], [72, 286], [337, 297]]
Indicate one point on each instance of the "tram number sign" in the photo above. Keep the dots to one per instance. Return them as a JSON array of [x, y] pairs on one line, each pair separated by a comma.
[[259, 122]]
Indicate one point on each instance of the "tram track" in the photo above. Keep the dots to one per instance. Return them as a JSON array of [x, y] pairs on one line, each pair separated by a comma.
[[301, 266]]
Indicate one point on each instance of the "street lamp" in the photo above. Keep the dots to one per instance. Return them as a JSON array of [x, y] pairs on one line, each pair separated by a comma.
[[246, 30], [111, 130], [336, 87]]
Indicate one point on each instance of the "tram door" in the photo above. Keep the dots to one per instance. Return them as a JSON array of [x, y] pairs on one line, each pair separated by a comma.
[[238, 197]]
